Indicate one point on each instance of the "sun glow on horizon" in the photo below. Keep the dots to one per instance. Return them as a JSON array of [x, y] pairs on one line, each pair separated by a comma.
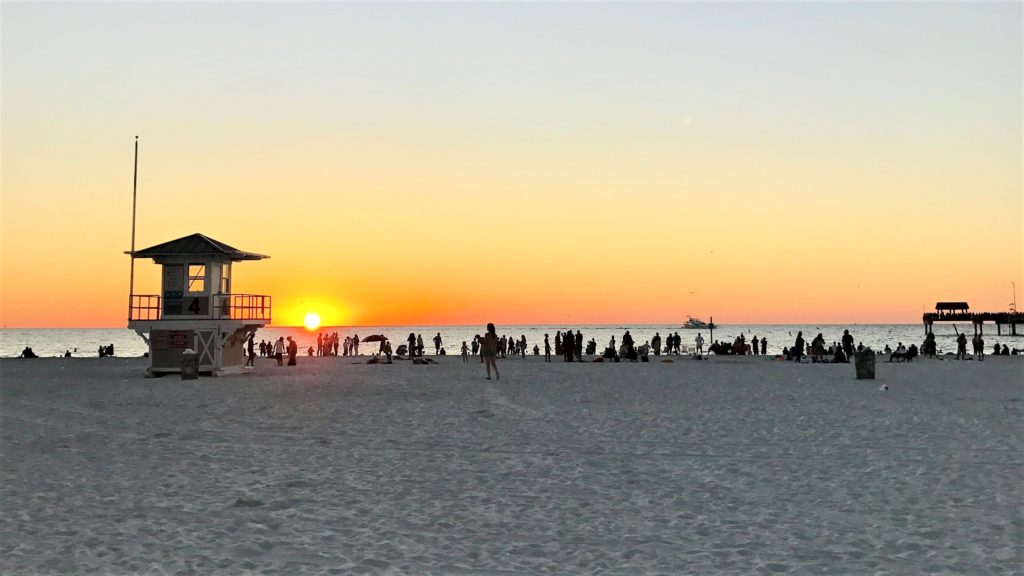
[[311, 321]]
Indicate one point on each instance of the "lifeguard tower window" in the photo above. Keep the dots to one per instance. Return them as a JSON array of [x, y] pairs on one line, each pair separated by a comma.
[[225, 279], [197, 278]]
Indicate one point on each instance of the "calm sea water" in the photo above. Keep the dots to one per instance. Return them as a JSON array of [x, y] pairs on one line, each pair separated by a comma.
[[84, 342]]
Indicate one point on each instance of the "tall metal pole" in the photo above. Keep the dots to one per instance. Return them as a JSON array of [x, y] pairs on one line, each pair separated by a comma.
[[135, 181]]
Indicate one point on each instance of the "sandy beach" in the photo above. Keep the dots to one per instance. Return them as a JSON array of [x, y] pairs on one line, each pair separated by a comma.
[[727, 466]]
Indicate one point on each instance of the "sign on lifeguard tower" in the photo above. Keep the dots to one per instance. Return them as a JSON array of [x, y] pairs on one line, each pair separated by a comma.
[[196, 308]]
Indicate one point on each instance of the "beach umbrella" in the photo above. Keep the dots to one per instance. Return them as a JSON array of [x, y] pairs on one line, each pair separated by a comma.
[[374, 338]]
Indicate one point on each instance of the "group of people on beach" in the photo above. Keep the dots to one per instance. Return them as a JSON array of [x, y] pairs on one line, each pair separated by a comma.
[[571, 346], [277, 350], [840, 351]]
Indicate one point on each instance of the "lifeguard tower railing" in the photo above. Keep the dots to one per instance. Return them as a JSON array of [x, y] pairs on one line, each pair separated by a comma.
[[231, 306]]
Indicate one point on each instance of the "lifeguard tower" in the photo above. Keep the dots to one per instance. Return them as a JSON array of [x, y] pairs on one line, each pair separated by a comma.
[[196, 308]]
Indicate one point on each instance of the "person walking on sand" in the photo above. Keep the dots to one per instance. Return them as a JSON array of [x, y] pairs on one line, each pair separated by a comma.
[[489, 351], [465, 353], [437, 344], [279, 350], [547, 349], [251, 360], [699, 341]]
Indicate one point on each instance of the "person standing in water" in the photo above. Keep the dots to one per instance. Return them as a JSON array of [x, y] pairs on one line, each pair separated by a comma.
[[489, 351]]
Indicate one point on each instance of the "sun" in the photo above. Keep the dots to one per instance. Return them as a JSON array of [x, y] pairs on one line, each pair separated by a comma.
[[312, 321]]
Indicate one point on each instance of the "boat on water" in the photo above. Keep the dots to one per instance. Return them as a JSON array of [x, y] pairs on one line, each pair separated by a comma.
[[694, 323]]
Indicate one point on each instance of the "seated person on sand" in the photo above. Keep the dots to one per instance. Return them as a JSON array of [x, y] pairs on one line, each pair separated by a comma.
[[839, 356], [630, 353], [27, 353], [786, 354], [899, 354]]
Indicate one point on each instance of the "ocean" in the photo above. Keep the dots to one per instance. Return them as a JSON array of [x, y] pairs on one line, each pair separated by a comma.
[[84, 342]]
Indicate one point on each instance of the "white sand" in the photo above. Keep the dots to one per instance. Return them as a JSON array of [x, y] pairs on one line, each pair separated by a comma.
[[729, 466]]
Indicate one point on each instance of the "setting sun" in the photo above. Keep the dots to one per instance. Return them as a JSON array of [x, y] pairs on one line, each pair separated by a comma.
[[312, 321]]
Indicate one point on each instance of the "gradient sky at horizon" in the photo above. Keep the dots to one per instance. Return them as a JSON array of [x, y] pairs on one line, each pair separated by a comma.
[[459, 163]]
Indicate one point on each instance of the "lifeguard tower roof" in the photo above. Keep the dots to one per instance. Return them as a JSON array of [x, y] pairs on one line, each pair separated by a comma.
[[196, 245]]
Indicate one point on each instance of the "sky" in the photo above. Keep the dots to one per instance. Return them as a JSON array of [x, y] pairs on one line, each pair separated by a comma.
[[518, 163]]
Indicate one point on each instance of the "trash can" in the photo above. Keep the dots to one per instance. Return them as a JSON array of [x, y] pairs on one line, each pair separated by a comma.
[[189, 365], [864, 361]]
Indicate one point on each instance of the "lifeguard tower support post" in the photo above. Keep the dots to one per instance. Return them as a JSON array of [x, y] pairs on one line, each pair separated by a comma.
[[196, 308]]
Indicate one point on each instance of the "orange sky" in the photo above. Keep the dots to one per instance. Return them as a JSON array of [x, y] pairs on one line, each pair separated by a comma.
[[470, 163]]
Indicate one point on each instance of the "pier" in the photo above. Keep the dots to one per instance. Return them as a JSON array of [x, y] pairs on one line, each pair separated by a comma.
[[960, 312]]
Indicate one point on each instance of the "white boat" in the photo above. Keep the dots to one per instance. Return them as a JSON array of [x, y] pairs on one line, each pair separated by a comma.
[[695, 323]]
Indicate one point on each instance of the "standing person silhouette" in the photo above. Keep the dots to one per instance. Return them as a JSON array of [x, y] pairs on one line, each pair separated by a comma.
[[764, 345], [279, 350], [437, 344], [489, 351], [251, 360], [569, 345], [547, 349], [579, 346]]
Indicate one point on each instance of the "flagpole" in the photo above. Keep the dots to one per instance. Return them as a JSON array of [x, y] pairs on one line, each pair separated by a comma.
[[135, 181]]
